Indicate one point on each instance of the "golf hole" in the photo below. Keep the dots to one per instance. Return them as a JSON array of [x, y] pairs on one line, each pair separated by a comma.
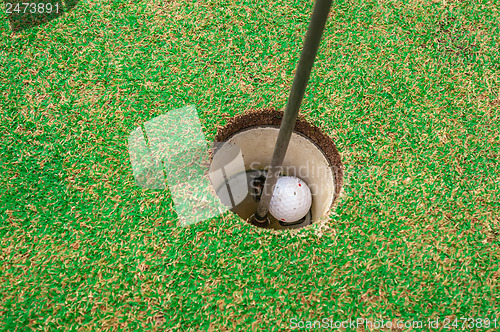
[[311, 156]]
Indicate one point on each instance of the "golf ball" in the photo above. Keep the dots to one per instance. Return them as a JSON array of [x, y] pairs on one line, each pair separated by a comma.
[[291, 199]]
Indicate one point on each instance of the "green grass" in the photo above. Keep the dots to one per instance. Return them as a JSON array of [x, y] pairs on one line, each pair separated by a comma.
[[409, 90]]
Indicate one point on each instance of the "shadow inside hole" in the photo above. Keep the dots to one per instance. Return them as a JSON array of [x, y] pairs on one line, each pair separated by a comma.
[[26, 14], [246, 206]]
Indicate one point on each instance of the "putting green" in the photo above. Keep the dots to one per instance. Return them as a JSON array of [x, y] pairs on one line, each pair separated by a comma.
[[408, 89]]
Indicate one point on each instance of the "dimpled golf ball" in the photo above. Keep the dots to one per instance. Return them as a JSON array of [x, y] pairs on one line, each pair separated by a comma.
[[291, 199]]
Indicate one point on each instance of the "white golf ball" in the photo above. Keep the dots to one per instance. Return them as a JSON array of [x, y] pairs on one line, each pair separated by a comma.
[[291, 199]]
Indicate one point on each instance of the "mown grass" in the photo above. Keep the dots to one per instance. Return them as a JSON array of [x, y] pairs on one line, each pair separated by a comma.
[[409, 90]]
